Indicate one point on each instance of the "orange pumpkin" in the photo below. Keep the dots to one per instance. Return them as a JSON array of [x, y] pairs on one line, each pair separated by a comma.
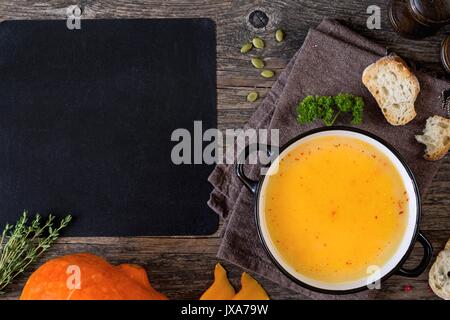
[[84, 276]]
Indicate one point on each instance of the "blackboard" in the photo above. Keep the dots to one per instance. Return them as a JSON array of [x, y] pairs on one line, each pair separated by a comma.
[[86, 117]]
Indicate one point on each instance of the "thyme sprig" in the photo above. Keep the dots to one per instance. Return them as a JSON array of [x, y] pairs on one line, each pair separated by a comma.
[[21, 244]]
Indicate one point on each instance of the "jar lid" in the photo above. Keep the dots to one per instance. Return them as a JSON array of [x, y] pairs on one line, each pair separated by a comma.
[[445, 53], [436, 12], [405, 22]]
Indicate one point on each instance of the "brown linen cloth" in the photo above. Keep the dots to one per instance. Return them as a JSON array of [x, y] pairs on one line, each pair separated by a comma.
[[330, 61]]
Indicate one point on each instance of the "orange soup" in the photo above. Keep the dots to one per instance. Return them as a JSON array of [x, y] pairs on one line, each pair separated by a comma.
[[335, 206]]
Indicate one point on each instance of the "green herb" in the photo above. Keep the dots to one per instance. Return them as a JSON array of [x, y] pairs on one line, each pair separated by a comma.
[[327, 108], [22, 243]]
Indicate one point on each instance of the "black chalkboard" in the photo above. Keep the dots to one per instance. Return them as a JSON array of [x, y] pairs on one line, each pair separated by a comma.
[[86, 118]]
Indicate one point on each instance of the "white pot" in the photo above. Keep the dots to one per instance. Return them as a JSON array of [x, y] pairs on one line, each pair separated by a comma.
[[411, 234]]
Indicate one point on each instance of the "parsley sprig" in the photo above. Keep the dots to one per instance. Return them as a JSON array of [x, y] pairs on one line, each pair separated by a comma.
[[328, 108], [22, 243]]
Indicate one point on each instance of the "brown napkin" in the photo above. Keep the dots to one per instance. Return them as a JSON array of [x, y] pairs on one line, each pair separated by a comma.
[[330, 61]]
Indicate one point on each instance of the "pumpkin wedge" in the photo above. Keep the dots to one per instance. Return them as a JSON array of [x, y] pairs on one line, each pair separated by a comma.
[[221, 289], [250, 289]]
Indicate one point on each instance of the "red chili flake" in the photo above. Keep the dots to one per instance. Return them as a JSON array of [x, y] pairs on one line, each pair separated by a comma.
[[373, 156], [333, 213], [296, 159], [289, 154], [408, 288], [376, 217], [348, 263], [301, 153], [401, 212]]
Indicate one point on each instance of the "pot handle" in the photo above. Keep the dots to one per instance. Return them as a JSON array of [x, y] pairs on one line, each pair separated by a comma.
[[249, 183], [427, 255]]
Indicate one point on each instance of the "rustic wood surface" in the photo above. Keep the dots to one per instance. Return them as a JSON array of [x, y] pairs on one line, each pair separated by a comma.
[[182, 267]]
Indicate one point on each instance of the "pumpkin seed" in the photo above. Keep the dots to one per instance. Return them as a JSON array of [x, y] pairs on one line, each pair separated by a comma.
[[257, 63], [267, 73], [252, 96], [246, 47], [279, 35], [258, 42]]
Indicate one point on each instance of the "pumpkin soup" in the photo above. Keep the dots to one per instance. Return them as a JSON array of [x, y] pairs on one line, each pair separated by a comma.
[[335, 206]]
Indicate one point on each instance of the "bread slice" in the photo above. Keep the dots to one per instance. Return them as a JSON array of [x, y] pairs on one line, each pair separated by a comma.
[[436, 137], [439, 276], [394, 87]]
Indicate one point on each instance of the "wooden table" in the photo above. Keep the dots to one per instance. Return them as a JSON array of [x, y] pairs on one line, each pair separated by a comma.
[[182, 267]]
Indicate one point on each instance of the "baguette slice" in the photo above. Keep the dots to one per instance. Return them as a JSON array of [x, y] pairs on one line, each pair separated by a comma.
[[439, 276], [394, 87], [436, 137]]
